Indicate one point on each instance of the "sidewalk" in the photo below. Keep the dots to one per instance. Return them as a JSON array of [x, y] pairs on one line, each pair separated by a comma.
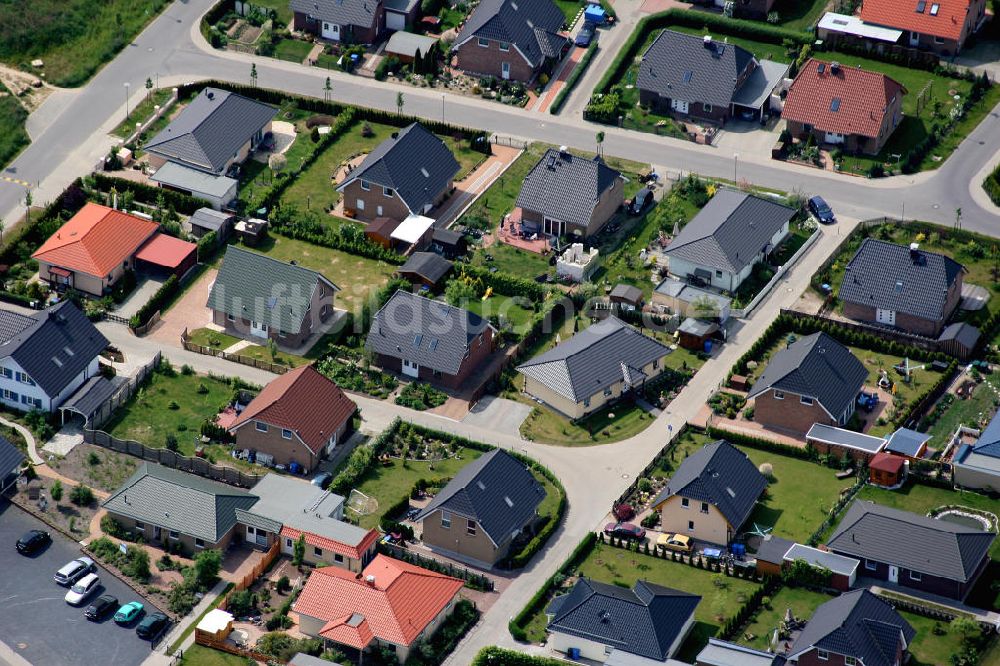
[[159, 656]]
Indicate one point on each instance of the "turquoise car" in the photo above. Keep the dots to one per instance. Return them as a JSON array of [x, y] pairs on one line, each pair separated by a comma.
[[128, 613]]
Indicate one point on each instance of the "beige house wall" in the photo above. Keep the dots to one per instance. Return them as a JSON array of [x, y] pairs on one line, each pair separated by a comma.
[[187, 541], [456, 539], [711, 526]]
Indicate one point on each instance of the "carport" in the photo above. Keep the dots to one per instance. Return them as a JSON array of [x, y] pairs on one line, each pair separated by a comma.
[[92, 401], [164, 255], [753, 97]]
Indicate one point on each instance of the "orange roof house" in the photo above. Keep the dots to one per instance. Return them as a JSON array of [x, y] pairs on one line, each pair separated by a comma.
[[950, 21], [846, 105], [93, 249], [391, 603]]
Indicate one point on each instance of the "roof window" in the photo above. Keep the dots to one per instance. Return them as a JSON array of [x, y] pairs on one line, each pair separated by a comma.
[[921, 5], [935, 8], [835, 104]]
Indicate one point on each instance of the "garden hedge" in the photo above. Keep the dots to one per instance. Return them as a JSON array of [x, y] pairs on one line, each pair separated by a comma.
[[148, 194], [166, 291], [992, 185], [504, 284], [497, 656]]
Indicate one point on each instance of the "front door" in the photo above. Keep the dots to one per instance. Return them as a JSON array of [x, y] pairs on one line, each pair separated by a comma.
[[834, 137], [893, 574], [505, 70], [410, 368], [914, 39], [679, 105], [258, 330], [331, 31], [887, 317], [157, 534]]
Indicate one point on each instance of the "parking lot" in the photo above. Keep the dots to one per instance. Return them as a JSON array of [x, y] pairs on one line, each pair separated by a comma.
[[37, 623]]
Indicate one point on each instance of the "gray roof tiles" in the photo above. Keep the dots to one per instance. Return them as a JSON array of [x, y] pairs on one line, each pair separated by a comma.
[[10, 457], [683, 67], [496, 490], [178, 501], [207, 218], [413, 162], [566, 187], [53, 346], [264, 289], [856, 624], [906, 442], [431, 333], [910, 541], [211, 129], [361, 13], [644, 621], [427, 265], [592, 359], [888, 276], [730, 231], [816, 366], [723, 476], [532, 26]]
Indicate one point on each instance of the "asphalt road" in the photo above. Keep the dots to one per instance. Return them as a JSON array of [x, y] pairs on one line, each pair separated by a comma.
[[36, 622]]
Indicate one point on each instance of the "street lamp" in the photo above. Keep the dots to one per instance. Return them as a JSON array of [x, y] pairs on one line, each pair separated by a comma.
[[736, 161], [126, 99]]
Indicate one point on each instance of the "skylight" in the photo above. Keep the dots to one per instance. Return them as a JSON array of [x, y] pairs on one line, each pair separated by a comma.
[[508, 501], [57, 362], [921, 5], [433, 344], [687, 76], [480, 485], [935, 8], [835, 104], [416, 339], [69, 352]]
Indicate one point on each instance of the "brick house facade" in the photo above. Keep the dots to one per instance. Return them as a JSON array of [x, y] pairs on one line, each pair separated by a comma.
[[320, 309], [491, 57], [919, 27], [345, 34], [285, 445], [783, 410], [609, 204], [365, 201], [929, 328], [479, 350], [818, 657]]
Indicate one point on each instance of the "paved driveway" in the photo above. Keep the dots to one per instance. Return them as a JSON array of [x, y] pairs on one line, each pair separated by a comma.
[[139, 297], [37, 623], [498, 415]]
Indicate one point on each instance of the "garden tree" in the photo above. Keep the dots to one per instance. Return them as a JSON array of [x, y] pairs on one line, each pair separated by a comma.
[[272, 348], [277, 161], [418, 63], [149, 87], [137, 563], [127, 199], [399, 103], [81, 495], [253, 74], [207, 564], [241, 603], [327, 90], [56, 491], [171, 443], [299, 550], [600, 144], [458, 292], [965, 628]]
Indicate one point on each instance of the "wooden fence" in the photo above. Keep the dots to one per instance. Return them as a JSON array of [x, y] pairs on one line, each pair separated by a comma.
[[273, 368], [249, 579]]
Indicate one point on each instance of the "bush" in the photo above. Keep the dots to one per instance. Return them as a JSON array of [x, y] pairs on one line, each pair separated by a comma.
[[992, 185], [81, 495], [137, 564], [283, 584], [56, 491], [207, 564], [241, 603], [283, 647]]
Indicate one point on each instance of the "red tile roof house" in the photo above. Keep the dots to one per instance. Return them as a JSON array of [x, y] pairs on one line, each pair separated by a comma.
[[300, 417], [941, 26], [390, 604], [94, 248], [853, 109]]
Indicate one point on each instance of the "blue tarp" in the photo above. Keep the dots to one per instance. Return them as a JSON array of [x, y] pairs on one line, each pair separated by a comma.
[[594, 14]]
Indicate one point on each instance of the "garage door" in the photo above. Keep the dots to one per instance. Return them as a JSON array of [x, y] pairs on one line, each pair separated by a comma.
[[394, 21]]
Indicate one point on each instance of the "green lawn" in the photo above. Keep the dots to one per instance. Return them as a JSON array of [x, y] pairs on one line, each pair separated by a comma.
[[356, 276], [570, 8], [610, 424], [73, 37], [199, 655], [142, 111], [972, 412], [13, 135], [799, 14], [293, 50], [499, 198], [928, 649], [920, 498], [221, 341], [513, 261], [209, 338], [509, 310], [281, 8]]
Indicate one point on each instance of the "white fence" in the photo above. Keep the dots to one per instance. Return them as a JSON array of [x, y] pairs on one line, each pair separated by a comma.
[[780, 273]]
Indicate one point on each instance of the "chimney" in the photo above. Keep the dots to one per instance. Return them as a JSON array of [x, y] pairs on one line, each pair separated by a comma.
[[834, 67], [915, 252], [707, 41], [370, 580], [564, 151]]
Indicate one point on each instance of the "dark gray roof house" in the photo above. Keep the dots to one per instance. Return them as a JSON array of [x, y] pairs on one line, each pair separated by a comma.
[[912, 543], [649, 621], [723, 476], [901, 279], [54, 346], [263, 289], [10, 463], [181, 502], [426, 267], [532, 27], [565, 187], [598, 357], [496, 490], [431, 333], [413, 162], [211, 130], [205, 220], [361, 13], [818, 367], [730, 233], [856, 624]]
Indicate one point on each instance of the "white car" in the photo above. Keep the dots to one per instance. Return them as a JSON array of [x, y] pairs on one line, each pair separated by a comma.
[[74, 571], [82, 589]]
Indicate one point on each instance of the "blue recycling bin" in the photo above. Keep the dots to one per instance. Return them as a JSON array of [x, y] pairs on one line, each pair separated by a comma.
[[595, 14], [573, 653], [708, 346]]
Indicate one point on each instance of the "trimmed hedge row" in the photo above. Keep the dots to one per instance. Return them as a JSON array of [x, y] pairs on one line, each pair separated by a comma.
[[574, 78], [504, 284], [497, 656], [762, 444], [292, 223], [361, 459], [148, 194], [159, 299]]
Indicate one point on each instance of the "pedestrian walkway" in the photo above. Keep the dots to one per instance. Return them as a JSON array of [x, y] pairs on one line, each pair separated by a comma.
[[569, 64], [29, 439], [159, 656]]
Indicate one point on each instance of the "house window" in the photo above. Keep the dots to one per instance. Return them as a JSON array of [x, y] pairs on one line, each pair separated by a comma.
[[230, 317], [10, 395], [656, 364], [140, 527], [365, 185], [779, 395], [850, 661], [25, 379], [939, 40], [607, 393], [337, 557], [586, 402], [870, 565], [718, 274], [470, 528], [685, 502], [317, 551], [485, 43], [916, 575], [690, 526], [288, 543], [261, 427], [707, 107], [446, 520], [8, 373], [822, 655], [387, 191], [704, 507], [199, 543], [175, 535], [504, 46], [805, 400], [286, 433]]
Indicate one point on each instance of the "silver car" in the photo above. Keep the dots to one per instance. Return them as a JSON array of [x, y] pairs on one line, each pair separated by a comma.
[[74, 571], [82, 589]]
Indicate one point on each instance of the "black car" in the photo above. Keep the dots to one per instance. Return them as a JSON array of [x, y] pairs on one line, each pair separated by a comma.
[[33, 541], [822, 210], [102, 607], [152, 626], [640, 201]]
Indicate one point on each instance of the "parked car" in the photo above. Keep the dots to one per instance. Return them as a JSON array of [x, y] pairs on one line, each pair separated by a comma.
[[102, 607], [680, 543], [74, 571], [625, 531], [322, 479], [82, 589], [586, 35], [128, 613], [152, 626], [821, 209], [640, 201], [33, 541]]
